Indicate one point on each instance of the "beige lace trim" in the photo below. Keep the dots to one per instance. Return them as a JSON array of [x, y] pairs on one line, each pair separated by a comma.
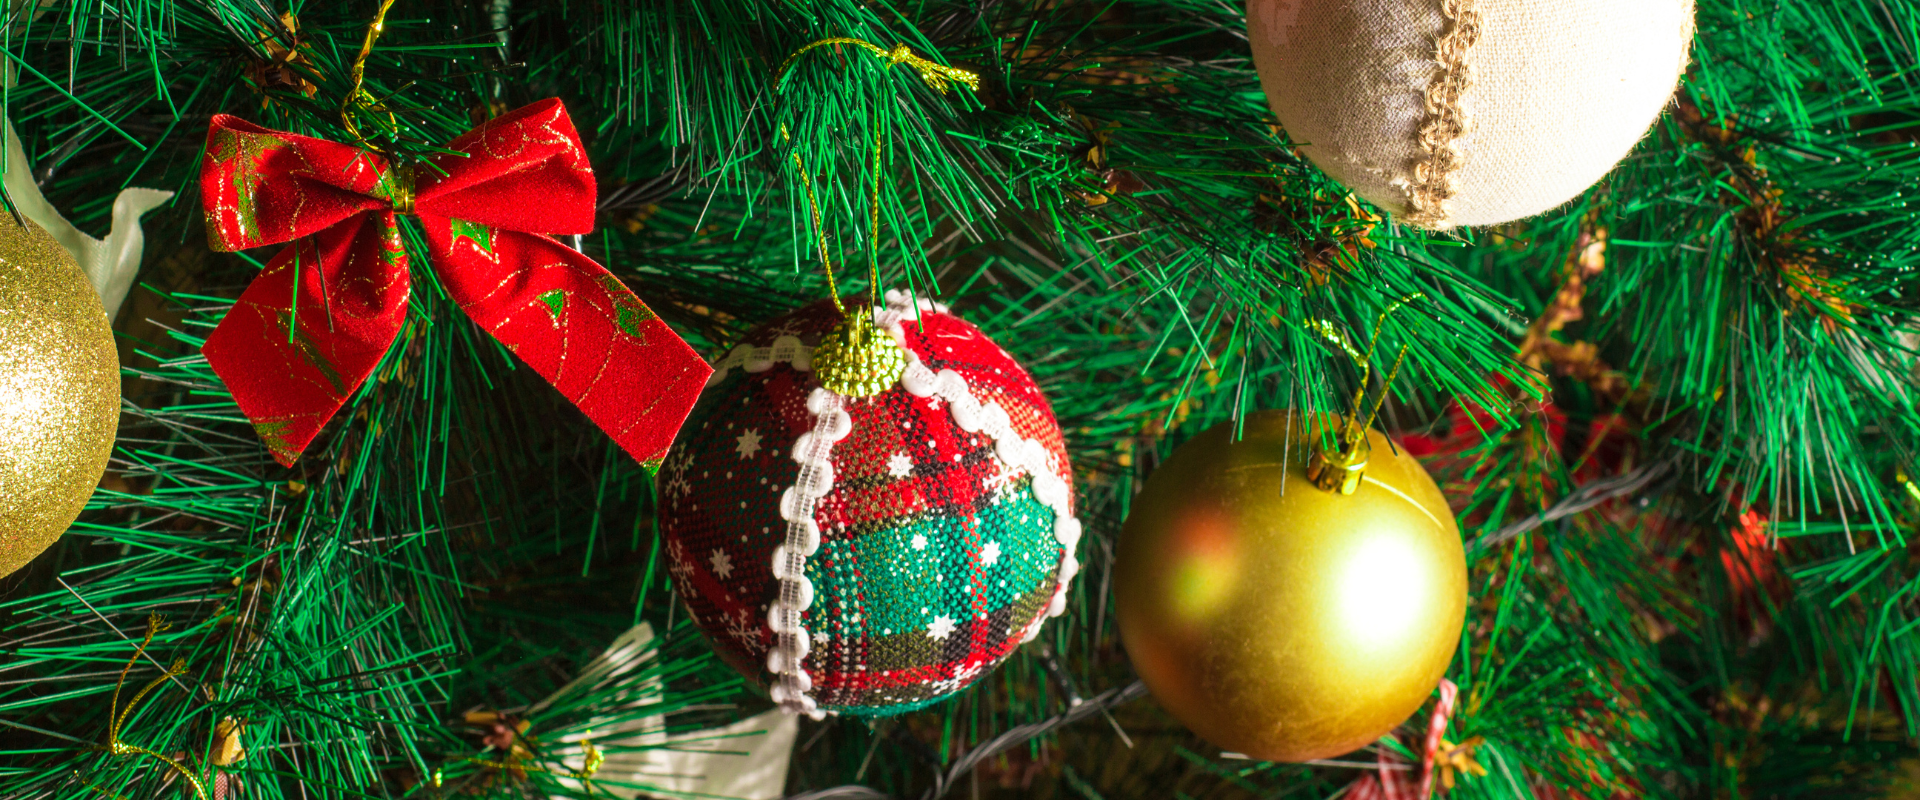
[[1446, 120]]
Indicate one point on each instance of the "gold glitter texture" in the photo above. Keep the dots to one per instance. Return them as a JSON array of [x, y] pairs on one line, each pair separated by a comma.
[[854, 360], [59, 392]]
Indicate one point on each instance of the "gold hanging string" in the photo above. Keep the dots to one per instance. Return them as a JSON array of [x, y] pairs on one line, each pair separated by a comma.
[[819, 223], [1355, 432], [937, 76], [588, 768], [1341, 469], [856, 359], [359, 73], [118, 715], [873, 240]]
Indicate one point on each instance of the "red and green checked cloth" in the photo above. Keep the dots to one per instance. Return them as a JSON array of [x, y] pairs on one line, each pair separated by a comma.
[[936, 556]]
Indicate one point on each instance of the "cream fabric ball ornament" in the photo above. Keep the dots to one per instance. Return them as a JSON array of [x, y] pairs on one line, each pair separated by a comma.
[[1468, 112]]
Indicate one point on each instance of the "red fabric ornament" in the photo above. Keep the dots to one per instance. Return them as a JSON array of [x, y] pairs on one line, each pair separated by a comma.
[[308, 331], [871, 555]]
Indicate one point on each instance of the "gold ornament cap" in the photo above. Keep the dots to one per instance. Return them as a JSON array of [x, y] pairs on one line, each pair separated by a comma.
[[1340, 470], [857, 360]]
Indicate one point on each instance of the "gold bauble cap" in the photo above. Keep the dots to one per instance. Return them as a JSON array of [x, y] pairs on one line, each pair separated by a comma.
[[856, 359], [1279, 619], [59, 392]]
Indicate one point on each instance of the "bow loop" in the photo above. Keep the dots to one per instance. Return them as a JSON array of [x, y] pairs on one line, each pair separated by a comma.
[[265, 187], [532, 153]]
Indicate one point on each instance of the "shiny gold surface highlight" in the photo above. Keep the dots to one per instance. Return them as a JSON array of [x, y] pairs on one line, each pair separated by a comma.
[[1278, 619], [59, 392]]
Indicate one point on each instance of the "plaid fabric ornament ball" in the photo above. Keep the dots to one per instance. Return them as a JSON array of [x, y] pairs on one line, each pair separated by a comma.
[[869, 556]]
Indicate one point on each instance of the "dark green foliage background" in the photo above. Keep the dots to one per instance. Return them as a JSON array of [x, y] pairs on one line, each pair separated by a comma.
[[460, 539]]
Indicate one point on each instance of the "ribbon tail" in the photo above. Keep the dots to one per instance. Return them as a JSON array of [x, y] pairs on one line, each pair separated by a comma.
[[113, 263], [577, 326], [306, 333]]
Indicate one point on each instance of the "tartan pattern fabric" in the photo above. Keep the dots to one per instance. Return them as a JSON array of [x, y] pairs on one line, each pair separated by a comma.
[[935, 555]]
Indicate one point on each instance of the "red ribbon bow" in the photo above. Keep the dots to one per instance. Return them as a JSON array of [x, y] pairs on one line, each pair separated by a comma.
[[308, 331]]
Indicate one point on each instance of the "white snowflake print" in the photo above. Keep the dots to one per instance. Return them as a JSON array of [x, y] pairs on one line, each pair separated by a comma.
[[676, 471], [919, 541], [961, 677], [990, 554], [740, 626], [749, 443], [900, 466], [789, 327], [677, 563], [941, 628], [722, 565], [934, 402], [1004, 474]]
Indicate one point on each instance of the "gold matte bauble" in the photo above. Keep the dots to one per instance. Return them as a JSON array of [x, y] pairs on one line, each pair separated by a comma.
[[1278, 619], [59, 392]]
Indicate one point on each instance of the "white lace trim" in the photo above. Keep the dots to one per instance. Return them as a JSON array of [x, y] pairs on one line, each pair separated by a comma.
[[1012, 448], [784, 350], [813, 450]]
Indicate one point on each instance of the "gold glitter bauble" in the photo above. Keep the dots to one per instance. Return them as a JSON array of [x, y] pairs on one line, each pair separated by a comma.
[[59, 392], [1278, 619]]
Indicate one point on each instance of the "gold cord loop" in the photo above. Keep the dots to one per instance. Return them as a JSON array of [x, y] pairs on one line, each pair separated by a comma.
[[856, 359], [937, 76], [117, 715], [1341, 469], [819, 222], [357, 95]]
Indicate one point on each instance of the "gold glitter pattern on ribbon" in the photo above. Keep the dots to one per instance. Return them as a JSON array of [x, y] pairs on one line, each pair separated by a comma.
[[246, 149]]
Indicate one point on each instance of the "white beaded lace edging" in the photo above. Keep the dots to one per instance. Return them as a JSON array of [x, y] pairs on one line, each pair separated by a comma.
[[813, 450], [1018, 451], [784, 350]]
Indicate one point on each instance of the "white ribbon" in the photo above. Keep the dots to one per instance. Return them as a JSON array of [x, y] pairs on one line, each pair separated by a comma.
[[679, 765], [110, 265]]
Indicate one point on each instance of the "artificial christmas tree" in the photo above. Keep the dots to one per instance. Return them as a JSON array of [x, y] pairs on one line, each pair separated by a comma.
[[1673, 417]]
